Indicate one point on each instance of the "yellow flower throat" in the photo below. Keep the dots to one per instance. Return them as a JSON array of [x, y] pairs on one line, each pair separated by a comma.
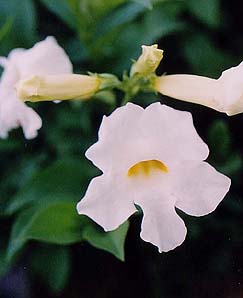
[[146, 167]]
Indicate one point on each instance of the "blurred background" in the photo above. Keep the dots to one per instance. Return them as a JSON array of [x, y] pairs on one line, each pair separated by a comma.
[[46, 250]]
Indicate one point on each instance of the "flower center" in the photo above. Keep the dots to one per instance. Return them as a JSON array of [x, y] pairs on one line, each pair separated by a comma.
[[146, 167]]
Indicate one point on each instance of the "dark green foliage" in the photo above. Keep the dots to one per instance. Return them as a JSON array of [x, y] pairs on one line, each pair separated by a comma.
[[42, 180]]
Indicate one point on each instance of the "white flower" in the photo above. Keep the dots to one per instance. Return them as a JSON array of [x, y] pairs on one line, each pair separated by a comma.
[[45, 57], [153, 158], [224, 94]]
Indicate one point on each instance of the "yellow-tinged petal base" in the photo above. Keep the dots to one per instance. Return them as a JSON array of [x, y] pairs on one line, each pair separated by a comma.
[[146, 167]]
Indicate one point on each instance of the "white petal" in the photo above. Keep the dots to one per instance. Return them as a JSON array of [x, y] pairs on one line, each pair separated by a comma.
[[30, 122], [112, 139], [45, 57], [14, 113], [175, 133], [9, 78], [229, 91], [132, 134], [199, 188], [107, 202], [3, 61], [161, 225]]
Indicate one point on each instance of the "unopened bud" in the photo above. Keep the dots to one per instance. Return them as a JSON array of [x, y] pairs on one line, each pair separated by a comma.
[[148, 61]]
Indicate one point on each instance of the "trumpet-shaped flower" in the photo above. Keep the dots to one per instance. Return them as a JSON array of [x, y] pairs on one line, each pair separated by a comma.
[[152, 158], [224, 94], [45, 57]]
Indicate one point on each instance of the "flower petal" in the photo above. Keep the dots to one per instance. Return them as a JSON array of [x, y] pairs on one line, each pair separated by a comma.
[[119, 126], [199, 188], [13, 112], [45, 57], [175, 133], [161, 225], [135, 134], [229, 92], [22, 116], [107, 202]]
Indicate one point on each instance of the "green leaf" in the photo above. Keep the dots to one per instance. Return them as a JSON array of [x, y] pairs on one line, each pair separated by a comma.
[[208, 11], [122, 15], [152, 25], [63, 180], [6, 27], [232, 165], [111, 242], [219, 139], [9, 145], [54, 272], [227, 161], [204, 57], [4, 266], [82, 16], [95, 9], [23, 17], [91, 12], [59, 223], [64, 10], [147, 3]]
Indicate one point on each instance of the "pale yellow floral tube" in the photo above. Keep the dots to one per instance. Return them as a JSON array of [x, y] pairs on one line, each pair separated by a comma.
[[57, 87], [224, 94], [189, 88]]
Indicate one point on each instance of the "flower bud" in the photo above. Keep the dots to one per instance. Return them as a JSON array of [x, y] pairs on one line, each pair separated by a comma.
[[57, 87], [149, 60]]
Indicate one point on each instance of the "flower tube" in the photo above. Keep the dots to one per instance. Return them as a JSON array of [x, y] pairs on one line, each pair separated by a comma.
[[61, 87], [224, 94]]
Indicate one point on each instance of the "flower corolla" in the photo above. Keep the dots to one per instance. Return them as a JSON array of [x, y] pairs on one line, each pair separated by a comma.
[[152, 158], [45, 57]]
